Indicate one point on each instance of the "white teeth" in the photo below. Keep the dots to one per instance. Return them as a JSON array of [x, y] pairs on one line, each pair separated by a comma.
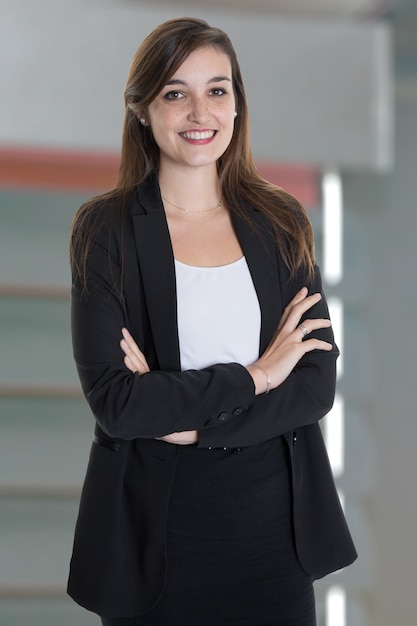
[[195, 134]]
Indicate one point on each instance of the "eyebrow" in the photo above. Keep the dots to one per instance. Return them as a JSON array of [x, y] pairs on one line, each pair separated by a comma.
[[215, 79]]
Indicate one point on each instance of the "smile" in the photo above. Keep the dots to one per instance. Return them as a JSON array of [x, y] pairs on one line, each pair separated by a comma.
[[197, 135]]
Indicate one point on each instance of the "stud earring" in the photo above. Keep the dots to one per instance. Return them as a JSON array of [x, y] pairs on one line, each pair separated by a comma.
[[142, 121], [235, 114]]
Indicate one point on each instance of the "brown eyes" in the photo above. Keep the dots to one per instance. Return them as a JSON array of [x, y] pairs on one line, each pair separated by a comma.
[[173, 95], [218, 91], [178, 95]]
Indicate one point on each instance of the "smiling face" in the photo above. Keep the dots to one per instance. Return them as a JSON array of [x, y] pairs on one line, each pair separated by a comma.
[[192, 118]]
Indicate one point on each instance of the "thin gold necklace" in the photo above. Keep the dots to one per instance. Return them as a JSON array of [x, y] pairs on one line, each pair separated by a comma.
[[218, 205]]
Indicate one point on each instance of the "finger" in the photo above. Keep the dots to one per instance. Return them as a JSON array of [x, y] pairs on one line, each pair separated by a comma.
[[300, 308], [130, 365], [131, 348], [131, 342], [304, 330], [300, 305], [183, 438], [134, 365], [127, 349], [137, 362], [299, 297], [307, 326], [316, 344]]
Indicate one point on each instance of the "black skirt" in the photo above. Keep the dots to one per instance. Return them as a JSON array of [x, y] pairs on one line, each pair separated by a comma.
[[231, 559]]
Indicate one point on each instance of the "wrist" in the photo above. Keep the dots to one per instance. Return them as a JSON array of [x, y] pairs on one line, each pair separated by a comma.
[[267, 378], [260, 377]]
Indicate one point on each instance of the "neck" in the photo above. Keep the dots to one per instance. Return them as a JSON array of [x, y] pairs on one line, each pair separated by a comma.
[[196, 190]]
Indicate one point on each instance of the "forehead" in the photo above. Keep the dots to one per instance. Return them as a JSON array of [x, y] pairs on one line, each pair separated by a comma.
[[208, 61]]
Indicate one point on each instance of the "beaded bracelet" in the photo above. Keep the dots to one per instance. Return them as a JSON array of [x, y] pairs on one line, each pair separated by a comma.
[[268, 379]]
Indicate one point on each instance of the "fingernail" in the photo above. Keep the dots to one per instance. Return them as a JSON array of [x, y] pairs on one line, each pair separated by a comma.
[[303, 290]]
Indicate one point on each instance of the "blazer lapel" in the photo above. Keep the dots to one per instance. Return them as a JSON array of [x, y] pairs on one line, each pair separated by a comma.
[[156, 262], [261, 257]]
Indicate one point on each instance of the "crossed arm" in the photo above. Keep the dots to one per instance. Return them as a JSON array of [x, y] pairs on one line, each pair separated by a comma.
[[287, 347]]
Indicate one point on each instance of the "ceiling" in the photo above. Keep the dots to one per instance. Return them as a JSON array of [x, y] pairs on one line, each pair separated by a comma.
[[402, 14], [306, 8]]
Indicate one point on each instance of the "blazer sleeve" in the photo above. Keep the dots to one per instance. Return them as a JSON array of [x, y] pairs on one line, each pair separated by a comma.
[[303, 398], [127, 405]]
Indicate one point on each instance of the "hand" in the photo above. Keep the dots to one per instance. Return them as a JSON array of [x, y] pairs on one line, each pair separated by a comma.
[[287, 346], [184, 438], [134, 359]]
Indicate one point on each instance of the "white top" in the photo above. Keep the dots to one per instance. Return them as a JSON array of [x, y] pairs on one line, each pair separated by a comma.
[[219, 318]]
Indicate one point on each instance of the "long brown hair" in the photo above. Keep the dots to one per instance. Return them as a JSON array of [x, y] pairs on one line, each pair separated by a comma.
[[155, 62]]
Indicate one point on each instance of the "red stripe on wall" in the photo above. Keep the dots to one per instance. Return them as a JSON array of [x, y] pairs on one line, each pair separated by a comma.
[[302, 181], [64, 170], [49, 169]]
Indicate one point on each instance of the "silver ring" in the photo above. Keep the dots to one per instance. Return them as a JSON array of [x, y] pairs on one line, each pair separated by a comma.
[[303, 329]]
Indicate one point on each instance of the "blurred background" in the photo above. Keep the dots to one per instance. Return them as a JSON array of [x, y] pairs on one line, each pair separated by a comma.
[[332, 90]]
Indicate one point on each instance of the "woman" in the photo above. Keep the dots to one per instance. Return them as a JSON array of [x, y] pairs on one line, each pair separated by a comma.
[[204, 348]]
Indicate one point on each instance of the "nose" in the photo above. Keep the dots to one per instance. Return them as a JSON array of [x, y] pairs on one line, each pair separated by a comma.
[[198, 110]]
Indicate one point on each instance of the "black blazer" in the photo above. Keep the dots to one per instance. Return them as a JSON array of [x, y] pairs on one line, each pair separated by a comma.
[[118, 562]]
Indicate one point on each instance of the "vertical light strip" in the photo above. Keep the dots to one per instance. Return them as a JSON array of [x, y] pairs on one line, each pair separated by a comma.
[[334, 422], [336, 315], [336, 607], [335, 436], [332, 227]]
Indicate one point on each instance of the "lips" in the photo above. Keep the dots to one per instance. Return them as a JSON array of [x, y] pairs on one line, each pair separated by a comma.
[[198, 135]]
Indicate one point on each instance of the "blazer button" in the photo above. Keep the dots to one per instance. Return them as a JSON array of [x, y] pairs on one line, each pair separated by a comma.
[[238, 411], [223, 417]]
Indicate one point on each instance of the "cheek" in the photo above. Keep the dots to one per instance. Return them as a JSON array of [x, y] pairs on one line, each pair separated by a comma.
[[167, 123], [226, 115], [229, 122]]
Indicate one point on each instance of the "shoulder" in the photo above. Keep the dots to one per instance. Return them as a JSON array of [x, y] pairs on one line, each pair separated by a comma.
[[96, 234], [102, 218], [100, 211]]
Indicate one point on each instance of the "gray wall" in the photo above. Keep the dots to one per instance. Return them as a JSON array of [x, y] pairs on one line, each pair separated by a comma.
[[384, 212], [69, 62]]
